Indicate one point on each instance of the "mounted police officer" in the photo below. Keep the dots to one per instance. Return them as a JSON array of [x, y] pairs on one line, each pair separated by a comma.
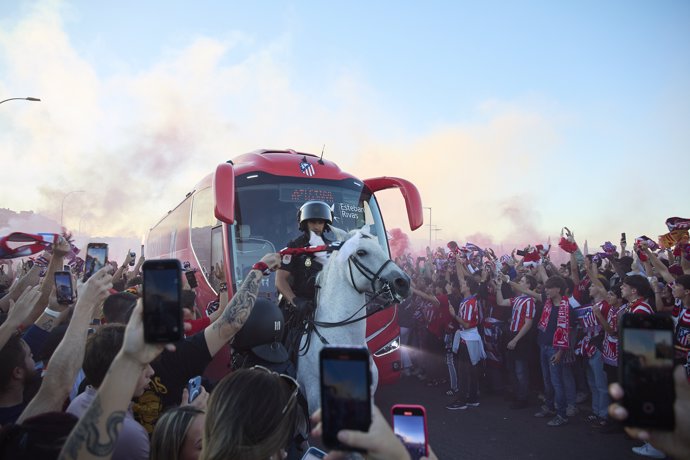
[[296, 278]]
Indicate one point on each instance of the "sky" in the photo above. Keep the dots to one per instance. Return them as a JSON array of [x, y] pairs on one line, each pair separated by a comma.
[[514, 119]]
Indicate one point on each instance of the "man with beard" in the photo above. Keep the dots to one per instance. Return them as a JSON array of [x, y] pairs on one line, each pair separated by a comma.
[[17, 374]]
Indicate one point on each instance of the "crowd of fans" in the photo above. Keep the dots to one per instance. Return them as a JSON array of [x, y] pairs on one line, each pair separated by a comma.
[[477, 321], [79, 380]]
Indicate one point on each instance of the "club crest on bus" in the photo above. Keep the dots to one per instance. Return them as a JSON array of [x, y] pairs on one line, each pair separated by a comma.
[[307, 169]]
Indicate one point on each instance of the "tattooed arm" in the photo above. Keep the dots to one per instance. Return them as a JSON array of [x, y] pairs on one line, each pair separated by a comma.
[[97, 432], [238, 309]]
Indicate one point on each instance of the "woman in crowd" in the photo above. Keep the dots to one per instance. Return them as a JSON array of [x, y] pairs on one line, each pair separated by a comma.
[[178, 434], [251, 415]]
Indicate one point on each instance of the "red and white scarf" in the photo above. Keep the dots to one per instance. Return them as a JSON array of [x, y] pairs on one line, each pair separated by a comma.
[[561, 338]]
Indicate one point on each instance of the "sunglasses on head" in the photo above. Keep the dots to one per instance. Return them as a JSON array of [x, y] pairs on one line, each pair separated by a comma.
[[289, 379]]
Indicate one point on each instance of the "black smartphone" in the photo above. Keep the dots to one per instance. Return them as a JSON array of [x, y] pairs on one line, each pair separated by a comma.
[[409, 425], [623, 240], [64, 290], [645, 370], [345, 392], [96, 258], [132, 256], [162, 286], [191, 278], [193, 388]]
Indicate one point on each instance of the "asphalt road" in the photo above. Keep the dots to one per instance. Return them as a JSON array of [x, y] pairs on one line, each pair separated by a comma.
[[493, 431]]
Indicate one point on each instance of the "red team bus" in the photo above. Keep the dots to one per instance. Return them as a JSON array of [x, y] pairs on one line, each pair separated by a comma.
[[248, 207]]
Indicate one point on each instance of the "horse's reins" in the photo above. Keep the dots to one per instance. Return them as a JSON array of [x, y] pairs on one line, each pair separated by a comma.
[[369, 275], [364, 271]]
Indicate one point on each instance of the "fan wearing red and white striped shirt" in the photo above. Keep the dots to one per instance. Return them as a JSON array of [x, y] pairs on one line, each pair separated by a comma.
[[469, 348], [523, 311], [518, 350], [635, 290]]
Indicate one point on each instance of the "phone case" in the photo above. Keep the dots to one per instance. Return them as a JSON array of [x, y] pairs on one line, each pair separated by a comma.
[[400, 409], [353, 412]]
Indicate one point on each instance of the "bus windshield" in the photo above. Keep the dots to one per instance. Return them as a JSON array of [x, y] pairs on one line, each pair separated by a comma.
[[266, 209]]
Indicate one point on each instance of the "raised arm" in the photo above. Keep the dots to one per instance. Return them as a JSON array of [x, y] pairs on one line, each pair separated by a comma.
[[18, 312], [29, 279], [97, 432], [499, 294], [574, 269], [68, 356], [659, 267], [60, 250], [117, 276], [239, 308], [524, 290], [425, 296], [594, 276]]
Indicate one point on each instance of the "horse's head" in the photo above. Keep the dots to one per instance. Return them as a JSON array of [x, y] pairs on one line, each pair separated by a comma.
[[371, 271]]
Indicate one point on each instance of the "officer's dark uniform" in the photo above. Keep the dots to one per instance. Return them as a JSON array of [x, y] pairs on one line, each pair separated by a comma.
[[303, 269]]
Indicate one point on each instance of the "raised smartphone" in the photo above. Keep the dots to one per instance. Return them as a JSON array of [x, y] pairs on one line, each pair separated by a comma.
[[96, 258], [64, 290], [409, 425], [191, 278], [162, 292], [345, 377], [193, 388], [645, 370]]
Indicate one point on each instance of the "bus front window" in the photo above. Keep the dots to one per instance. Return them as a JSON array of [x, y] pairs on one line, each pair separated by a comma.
[[266, 215]]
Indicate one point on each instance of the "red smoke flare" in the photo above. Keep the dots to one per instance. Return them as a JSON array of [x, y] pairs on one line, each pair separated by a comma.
[[399, 242]]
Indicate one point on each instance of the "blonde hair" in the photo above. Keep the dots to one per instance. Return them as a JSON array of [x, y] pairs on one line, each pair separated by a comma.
[[171, 431], [245, 419]]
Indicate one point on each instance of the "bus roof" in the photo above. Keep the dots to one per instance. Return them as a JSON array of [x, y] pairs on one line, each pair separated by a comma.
[[288, 163], [281, 163]]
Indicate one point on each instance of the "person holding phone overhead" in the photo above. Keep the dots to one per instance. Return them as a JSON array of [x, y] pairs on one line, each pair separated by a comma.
[[296, 277], [194, 353]]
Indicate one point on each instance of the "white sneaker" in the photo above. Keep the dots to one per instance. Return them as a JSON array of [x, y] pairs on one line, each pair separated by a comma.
[[647, 450], [571, 411]]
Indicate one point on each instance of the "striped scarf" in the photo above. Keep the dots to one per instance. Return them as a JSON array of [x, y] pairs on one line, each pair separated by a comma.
[[561, 338]]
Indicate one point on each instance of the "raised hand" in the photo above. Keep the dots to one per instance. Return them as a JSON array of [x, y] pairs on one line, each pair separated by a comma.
[[62, 247], [134, 347], [272, 260], [22, 308], [94, 292]]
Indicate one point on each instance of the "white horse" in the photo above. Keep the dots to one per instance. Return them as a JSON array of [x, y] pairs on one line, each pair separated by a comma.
[[359, 268]]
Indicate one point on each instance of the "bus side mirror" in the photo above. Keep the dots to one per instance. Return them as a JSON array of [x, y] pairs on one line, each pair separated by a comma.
[[413, 201], [224, 193]]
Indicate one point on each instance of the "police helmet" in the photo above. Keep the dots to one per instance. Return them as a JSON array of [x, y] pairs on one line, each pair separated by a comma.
[[314, 210], [262, 332]]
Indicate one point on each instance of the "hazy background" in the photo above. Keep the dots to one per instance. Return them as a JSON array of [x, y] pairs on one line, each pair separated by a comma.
[[513, 118]]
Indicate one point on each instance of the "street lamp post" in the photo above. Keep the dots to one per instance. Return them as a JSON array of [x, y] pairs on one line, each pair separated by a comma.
[[62, 206], [429, 208], [436, 230], [32, 99]]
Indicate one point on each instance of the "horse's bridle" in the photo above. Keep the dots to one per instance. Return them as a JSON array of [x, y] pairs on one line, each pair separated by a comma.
[[385, 292], [371, 276]]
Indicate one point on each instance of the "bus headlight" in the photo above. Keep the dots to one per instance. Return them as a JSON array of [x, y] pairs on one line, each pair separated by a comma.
[[390, 347]]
